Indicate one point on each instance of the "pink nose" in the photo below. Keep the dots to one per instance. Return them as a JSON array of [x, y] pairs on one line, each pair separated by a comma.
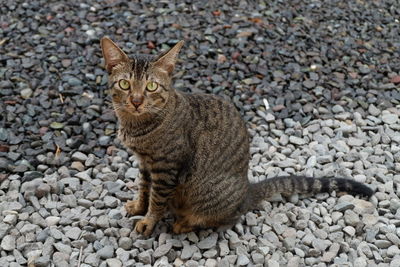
[[137, 101]]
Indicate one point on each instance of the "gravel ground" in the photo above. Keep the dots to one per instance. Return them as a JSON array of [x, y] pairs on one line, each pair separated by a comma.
[[317, 81]]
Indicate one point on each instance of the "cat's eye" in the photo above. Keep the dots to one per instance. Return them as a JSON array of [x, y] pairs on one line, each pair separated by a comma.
[[124, 84], [151, 86]]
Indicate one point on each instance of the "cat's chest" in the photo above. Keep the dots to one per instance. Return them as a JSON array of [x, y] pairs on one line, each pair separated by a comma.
[[150, 148]]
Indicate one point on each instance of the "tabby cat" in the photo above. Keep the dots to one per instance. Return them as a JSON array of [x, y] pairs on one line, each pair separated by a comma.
[[193, 149]]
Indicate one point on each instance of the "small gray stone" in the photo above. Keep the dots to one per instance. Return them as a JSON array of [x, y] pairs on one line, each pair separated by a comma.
[[113, 262], [223, 248], [373, 110], [191, 263], [26, 93], [27, 228], [63, 248], [85, 203], [193, 237], [251, 219], [349, 230], [54, 232], [337, 109], [73, 81], [343, 205], [145, 257], [42, 190], [79, 156], [14, 205], [43, 261], [92, 259], [351, 218], [106, 252], [104, 140], [187, 251], [297, 140], [341, 146], [208, 242], [360, 262], [319, 244], [3, 134], [132, 173], [110, 202], [362, 206], [393, 251], [103, 221], [10, 219], [125, 243], [73, 233], [112, 187], [257, 258], [389, 118], [272, 263], [8, 243], [92, 196], [211, 253], [85, 176], [242, 260], [52, 220], [294, 262], [289, 242], [145, 244], [161, 262], [70, 200], [162, 250], [382, 243]]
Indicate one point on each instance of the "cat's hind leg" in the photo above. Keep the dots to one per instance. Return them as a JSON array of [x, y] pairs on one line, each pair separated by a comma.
[[182, 226], [193, 222]]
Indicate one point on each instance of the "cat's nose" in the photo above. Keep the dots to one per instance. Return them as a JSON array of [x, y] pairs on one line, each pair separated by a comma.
[[137, 101]]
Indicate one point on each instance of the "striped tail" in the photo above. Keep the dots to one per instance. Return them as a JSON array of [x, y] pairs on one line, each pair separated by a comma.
[[288, 185]]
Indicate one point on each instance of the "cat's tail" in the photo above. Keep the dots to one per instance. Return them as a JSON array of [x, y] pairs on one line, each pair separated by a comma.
[[288, 185]]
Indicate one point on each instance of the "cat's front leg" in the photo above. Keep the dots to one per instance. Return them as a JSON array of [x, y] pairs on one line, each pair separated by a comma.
[[140, 205], [164, 183]]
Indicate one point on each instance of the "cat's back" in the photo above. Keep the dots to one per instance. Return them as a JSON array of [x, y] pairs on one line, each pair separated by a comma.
[[212, 111], [218, 133]]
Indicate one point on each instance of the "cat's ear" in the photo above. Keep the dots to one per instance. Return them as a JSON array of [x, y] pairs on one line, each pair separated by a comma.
[[113, 55], [167, 60]]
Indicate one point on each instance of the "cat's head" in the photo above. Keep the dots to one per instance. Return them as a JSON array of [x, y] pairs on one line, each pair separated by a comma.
[[141, 84]]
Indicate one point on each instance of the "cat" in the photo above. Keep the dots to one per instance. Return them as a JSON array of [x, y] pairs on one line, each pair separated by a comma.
[[193, 149]]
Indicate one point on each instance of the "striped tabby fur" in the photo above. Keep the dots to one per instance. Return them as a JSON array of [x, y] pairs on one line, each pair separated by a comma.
[[193, 149]]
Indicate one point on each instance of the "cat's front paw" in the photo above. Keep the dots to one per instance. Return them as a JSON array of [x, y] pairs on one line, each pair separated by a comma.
[[145, 226], [135, 207]]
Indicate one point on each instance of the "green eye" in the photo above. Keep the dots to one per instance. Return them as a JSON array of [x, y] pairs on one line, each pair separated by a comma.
[[124, 84], [151, 86]]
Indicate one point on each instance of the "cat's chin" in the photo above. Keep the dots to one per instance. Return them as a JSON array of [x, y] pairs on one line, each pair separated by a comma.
[[129, 114]]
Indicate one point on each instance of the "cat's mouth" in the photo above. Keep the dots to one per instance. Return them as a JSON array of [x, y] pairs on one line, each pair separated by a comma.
[[135, 110]]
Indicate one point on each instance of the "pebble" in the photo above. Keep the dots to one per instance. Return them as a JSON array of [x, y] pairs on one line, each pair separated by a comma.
[[208, 242], [8, 243], [187, 251], [389, 118], [26, 93], [162, 250], [296, 140], [52, 220], [145, 257], [73, 233], [106, 252], [344, 205], [113, 262], [242, 260], [79, 156]]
